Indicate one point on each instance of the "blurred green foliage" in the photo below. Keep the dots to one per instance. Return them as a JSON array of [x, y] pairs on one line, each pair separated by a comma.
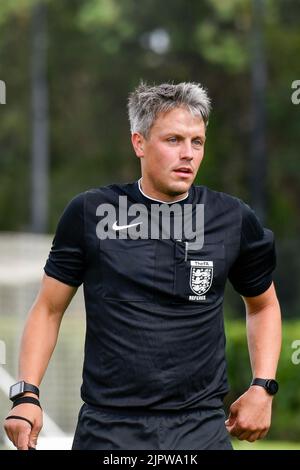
[[286, 404], [98, 50]]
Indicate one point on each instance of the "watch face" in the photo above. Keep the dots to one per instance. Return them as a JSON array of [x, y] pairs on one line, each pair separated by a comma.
[[272, 387], [16, 389]]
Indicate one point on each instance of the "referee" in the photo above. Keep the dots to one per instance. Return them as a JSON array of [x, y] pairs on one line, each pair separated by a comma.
[[154, 257]]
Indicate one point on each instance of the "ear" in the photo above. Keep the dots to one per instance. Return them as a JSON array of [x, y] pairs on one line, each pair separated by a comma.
[[137, 141]]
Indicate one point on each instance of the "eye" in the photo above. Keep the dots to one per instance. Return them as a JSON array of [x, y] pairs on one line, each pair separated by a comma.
[[172, 139], [197, 142]]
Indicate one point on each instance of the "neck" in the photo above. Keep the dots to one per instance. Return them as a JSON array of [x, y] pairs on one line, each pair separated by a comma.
[[181, 197]]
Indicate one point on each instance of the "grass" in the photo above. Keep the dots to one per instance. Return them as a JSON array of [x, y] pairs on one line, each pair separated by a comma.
[[265, 445], [244, 445]]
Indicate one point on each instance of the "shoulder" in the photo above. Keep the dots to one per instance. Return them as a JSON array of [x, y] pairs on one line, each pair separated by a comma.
[[78, 201], [211, 196], [103, 192], [85, 204], [236, 212]]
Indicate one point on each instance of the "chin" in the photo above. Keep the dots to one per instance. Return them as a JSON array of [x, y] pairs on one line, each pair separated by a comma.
[[179, 188]]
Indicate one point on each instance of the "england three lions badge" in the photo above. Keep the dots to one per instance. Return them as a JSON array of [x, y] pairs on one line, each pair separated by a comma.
[[201, 277]]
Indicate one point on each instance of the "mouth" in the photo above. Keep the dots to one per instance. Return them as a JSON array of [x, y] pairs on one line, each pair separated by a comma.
[[183, 171]]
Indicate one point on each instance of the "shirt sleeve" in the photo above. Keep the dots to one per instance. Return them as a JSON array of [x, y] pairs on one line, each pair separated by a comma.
[[251, 273], [66, 260]]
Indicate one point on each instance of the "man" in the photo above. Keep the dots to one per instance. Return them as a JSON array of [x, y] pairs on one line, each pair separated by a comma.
[[154, 372]]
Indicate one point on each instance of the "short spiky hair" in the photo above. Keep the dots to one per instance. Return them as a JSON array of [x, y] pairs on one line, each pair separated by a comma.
[[146, 102]]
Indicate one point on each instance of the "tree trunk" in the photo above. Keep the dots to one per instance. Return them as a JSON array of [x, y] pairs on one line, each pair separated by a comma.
[[39, 97], [258, 165]]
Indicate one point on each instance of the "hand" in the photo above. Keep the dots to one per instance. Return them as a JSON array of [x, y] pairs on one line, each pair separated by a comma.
[[250, 416], [18, 431]]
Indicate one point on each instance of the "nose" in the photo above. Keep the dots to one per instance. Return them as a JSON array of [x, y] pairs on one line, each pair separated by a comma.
[[186, 150]]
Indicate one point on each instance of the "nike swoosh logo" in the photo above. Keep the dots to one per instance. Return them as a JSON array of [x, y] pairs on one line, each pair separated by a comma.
[[122, 227]]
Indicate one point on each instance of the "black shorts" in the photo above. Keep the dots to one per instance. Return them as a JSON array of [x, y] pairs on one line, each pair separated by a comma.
[[111, 429]]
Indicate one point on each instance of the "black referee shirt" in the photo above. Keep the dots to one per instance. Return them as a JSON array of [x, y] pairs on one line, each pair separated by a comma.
[[155, 334]]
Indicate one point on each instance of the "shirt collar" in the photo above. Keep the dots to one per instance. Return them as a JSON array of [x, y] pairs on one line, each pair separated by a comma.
[[158, 200]]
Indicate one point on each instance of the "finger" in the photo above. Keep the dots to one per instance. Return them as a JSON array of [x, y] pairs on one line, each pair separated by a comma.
[[243, 435], [33, 439], [13, 428], [230, 421], [9, 435], [229, 428], [8, 431], [263, 434], [12, 435], [233, 430], [23, 438], [231, 425], [239, 432], [253, 436]]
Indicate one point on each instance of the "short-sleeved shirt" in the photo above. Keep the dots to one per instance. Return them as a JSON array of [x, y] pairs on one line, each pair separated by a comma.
[[155, 334]]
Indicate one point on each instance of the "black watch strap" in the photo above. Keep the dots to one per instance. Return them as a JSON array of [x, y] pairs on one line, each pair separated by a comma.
[[31, 388], [270, 385], [261, 382]]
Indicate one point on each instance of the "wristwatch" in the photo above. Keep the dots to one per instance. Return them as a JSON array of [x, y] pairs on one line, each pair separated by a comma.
[[270, 385], [18, 389]]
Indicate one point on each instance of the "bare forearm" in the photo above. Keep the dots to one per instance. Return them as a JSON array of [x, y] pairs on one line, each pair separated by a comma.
[[38, 342], [264, 339], [250, 414]]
